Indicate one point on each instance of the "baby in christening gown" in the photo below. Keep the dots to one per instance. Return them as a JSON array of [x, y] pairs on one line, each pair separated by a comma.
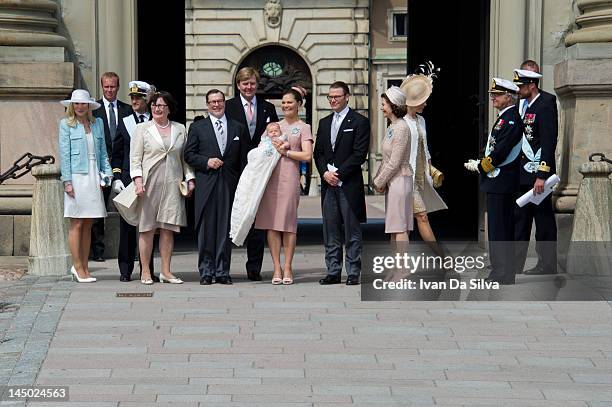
[[253, 181]]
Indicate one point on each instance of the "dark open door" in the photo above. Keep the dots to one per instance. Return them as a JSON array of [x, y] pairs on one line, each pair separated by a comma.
[[455, 37]]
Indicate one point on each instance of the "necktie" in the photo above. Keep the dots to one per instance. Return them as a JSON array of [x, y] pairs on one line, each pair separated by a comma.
[[112, 120], [524, 107], [249, 106], [220, 136], [334, 130], [142, 118]]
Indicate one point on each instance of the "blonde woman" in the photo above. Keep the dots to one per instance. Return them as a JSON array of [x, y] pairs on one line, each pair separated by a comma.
[[85, 169]]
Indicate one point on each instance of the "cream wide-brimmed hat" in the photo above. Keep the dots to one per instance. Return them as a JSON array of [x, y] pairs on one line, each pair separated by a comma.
[[81, 96], [417, 88]]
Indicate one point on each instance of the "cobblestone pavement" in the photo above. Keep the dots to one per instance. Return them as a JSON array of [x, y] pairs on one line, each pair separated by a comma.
[[254, 344]]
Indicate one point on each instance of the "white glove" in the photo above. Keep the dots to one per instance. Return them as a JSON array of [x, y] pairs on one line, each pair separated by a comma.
[[472, 165], [118, 186]]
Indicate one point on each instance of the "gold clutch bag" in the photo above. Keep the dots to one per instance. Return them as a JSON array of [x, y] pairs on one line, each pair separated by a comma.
[[436, 176], [184, 188]]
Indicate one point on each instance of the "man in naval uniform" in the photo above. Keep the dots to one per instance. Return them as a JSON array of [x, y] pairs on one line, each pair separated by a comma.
[[120, 162], [539, 112], [499, 179]]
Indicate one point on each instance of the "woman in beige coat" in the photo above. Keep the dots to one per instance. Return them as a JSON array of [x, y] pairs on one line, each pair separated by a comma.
[[157, 168], [394, 175], [418, 88]]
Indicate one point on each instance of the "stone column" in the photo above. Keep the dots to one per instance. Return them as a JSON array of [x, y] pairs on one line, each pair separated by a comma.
[[590, 250], [33, 77], [584, 85], [49, 255]]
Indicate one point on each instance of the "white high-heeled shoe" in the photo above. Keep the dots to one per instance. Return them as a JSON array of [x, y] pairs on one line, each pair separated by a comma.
[[75, 275], [173, 280]]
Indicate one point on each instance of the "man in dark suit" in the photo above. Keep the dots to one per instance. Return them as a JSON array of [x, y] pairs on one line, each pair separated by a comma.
[[343, 141], [254, 114], [120, 162], [217, 150], [499, 179], [539, 112], [111, 111]]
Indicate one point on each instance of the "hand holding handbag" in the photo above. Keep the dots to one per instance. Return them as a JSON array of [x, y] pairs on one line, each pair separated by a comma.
[[436, 176]]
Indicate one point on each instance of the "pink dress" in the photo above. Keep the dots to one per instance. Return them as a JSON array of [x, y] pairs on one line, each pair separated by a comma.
[[278, 207]]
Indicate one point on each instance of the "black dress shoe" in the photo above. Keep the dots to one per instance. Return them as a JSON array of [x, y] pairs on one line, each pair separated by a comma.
[[538, 270], [206, 280], [125, 279], [223, 280], [254, 276], [330, 280], [98, 259], [352, 280]]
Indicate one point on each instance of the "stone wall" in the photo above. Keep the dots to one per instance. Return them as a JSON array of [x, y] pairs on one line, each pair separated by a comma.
[[331, 36]]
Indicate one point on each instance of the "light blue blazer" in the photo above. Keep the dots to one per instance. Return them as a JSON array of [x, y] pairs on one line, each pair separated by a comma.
[[73, 149]]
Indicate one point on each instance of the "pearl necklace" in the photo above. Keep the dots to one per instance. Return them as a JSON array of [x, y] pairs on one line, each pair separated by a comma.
[[163, 127]]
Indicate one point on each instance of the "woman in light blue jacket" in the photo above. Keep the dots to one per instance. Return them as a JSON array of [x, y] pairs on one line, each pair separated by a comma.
[[85, 170]]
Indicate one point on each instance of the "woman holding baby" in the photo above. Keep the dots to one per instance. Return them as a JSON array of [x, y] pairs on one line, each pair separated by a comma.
[[277, 211]]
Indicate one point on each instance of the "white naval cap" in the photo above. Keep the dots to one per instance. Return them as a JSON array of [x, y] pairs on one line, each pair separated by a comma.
[[524, 76], [139, 88], [500, 85]]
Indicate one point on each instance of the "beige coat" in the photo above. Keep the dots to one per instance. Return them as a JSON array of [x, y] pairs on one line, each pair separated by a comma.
[[146, 149], [430, 197], [395, 154]]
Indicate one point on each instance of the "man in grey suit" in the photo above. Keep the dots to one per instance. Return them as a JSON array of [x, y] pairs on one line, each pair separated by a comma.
[[343, 141], [217, 150]]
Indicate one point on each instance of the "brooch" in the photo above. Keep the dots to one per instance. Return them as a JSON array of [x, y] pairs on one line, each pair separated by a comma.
[[295, 130]]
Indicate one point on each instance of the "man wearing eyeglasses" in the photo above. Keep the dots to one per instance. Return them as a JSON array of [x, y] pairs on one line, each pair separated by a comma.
[[343, 141], [111, 111], [216, 148], [255, 114]]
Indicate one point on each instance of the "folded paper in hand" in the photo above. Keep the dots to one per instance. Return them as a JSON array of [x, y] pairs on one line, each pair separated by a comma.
[[331, 168], [528, 196]]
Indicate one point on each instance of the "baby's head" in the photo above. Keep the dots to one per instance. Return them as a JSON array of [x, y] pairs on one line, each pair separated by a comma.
[[273, 129]]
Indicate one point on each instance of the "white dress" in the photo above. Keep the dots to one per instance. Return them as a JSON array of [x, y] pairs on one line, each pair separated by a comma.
[[88, 201]]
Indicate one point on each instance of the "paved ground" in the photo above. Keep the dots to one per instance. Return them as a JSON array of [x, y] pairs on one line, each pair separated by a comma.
[[254, 344]]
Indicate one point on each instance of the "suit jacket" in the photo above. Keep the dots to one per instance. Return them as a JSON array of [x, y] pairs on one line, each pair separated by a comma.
[[201, 146], [506, 134], [120, 156], [123, 109], [541, 130], [266, 113], [351, 151]]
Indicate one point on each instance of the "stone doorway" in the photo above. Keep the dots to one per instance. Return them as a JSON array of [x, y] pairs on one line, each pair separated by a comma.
[[280, 68]]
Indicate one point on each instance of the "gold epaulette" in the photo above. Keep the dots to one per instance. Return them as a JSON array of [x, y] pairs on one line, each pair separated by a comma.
[[543, 167], [116, 170], [486, 165]]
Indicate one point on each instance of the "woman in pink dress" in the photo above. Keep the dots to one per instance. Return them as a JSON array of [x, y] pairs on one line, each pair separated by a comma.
[[277, 211]]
